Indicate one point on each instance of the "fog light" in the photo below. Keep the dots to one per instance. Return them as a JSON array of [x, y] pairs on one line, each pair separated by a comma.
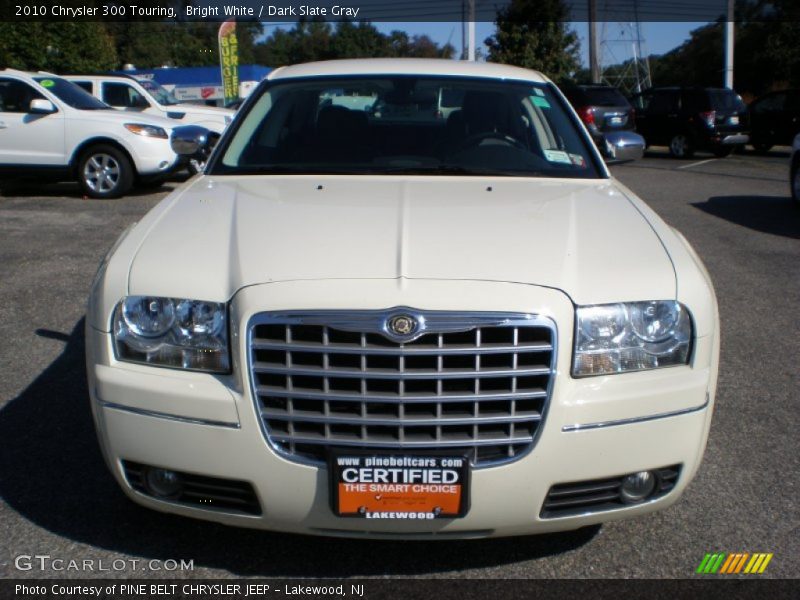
[[637, 487], [163, 482]]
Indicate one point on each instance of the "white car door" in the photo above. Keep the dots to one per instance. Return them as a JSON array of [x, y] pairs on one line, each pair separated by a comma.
[[27, 138]]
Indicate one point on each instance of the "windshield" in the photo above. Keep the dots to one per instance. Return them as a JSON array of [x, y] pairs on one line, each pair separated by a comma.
[[160, 95], [388, 125], [71, 94]]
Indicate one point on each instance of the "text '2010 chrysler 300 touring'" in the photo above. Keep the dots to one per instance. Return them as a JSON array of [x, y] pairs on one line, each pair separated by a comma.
[[374, 316]]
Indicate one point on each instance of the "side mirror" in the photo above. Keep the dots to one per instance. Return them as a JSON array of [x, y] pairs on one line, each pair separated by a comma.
[[40, 106], [189, 140], [622, 146]]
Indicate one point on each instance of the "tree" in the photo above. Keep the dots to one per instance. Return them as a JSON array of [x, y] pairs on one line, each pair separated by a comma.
[[62, 47], [534, 34]]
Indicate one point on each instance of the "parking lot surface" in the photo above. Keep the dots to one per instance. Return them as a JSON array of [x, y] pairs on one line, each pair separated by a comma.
[[57, 499]]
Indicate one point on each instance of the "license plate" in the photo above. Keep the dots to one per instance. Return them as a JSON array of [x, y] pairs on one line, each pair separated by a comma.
[[733, 120], [616, 120], [395, 487]]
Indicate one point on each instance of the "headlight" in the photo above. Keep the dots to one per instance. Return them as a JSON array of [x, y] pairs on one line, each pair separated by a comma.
[[172, 332], [146, 130], [614, 338]]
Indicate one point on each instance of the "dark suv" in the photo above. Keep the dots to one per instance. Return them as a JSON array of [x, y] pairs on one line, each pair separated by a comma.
[[689, 119], [775, 119], [602, 109]]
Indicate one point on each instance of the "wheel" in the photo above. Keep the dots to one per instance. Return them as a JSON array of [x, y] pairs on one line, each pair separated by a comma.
[[105, 172], [681, 146], [762, 147], [795, 182], [723, 151]]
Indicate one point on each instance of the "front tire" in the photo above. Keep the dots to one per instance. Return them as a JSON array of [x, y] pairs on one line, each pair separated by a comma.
[[723, 151], [105, 172], [761, 147], [681, 146]]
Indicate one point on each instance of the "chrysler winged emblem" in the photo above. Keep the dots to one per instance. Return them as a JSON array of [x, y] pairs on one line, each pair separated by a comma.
[[402, 325]]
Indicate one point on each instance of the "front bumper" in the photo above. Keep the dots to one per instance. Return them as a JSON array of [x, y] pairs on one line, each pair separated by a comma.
[[208, 425]]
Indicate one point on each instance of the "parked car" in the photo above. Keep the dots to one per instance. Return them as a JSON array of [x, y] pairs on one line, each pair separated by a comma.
[[410, 327], [689, 119], [794, 177], [148, 97], [774, 119], [49, 127], [602, 108]]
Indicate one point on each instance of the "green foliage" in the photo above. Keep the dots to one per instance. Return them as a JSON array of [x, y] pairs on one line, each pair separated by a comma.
[[766, 51], [316, 40], [534, 34], [72, 46]]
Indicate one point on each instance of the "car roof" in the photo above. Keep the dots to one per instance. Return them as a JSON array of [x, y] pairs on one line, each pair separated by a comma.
[[406, 66], [114, 77]]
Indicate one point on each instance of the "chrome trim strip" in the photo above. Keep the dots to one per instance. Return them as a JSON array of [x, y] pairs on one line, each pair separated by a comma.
[[409, 351], [676, 413], [167, 416], [332, 372]]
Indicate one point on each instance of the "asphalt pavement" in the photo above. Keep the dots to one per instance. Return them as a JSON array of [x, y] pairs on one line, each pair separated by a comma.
[[57, 499]]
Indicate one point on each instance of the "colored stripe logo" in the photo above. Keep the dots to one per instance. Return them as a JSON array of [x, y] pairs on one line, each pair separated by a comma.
[[734, 563]]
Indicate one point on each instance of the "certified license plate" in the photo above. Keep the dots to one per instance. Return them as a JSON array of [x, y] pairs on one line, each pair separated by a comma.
[[394, 487]]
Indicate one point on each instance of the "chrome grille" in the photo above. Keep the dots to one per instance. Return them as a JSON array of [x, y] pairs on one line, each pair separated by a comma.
[[475, 384]]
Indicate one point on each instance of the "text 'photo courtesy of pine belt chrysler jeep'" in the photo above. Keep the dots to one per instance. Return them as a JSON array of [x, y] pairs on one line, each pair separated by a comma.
[[388, 323]]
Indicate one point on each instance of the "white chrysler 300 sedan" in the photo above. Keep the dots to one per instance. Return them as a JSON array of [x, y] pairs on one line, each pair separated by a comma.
[[371, 318]]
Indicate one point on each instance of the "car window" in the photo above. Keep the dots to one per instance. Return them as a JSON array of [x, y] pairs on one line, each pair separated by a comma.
[[84, 85], [161, 95], [726, 100], [70, 94], [663, 102], [123, 95], [16, 96], [771, 103], [385, 125], [605, 97], [695, 101]]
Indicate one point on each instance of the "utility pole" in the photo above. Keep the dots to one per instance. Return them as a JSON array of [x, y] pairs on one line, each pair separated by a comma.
[[471, 52], [463, 29], [594, 43], [729, 29]]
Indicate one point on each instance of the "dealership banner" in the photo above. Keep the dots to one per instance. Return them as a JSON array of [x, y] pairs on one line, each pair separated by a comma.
[[229, 61]]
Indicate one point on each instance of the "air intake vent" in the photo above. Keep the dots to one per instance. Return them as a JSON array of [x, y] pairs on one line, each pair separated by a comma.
[[570, 499], [199, 491]]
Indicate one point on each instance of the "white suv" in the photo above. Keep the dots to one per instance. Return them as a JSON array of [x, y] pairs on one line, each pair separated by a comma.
[[387, 324], [148, 97], [49, 126]]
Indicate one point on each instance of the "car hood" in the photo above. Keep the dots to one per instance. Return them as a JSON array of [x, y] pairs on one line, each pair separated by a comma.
[[112, 115], [223, 233]]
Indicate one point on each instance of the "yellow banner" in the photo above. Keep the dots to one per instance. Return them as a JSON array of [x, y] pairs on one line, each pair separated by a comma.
[[229, 60]]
